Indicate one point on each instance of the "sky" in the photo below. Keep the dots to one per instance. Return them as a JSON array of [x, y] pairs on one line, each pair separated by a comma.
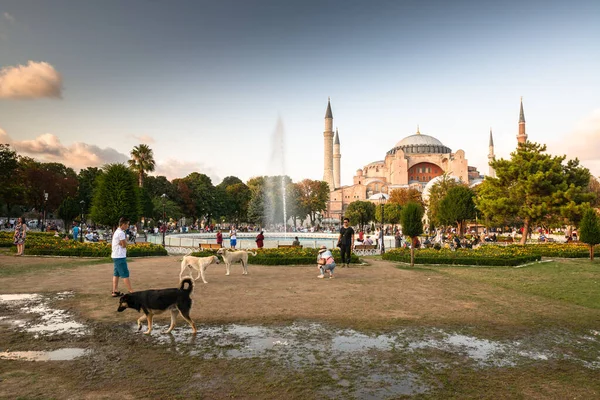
[[223, 87]]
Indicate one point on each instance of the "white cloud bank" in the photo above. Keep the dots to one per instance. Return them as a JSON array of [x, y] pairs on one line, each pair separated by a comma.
[[48, 148], [32, 81]]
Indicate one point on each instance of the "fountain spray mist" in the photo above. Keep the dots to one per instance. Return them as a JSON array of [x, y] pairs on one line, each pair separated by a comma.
[[276, 167]]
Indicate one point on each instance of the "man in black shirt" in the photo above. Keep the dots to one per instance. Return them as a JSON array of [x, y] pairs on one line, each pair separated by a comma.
[[346, 242]]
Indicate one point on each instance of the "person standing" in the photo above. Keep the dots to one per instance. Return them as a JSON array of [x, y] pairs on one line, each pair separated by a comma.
[[398, 239], [296, 242], [233, 238], [220, 238], [260, 240], [19, 237], [346, 242], [75, 232], [119, 256]]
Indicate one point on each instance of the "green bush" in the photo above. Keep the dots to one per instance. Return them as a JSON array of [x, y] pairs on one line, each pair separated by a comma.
[[46, 244]]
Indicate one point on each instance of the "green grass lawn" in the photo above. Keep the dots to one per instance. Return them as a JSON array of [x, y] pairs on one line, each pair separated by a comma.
[[575, 281]]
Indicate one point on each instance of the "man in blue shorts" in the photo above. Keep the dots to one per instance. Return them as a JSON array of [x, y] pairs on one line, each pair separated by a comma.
[[119, 256]]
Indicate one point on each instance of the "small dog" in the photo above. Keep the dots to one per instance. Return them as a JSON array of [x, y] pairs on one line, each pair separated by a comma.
[[153, 302], [198, 263], [232, 256]]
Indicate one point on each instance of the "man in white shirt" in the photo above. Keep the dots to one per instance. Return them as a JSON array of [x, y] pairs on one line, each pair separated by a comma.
[[119, 256]]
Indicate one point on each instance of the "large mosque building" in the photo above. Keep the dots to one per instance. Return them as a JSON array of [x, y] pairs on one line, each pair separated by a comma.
[[413, 162]]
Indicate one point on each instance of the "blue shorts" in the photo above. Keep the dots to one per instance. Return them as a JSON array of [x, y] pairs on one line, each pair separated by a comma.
[[233, 242], [120, 268]]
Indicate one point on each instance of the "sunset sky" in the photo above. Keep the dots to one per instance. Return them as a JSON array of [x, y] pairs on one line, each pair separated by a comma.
[[205, 83]]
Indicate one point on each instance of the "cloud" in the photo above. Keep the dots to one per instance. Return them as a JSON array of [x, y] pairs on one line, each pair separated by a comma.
[[31, 81], [583, 142], [8, 17], [144, 139], [48, 148], [172, 169]]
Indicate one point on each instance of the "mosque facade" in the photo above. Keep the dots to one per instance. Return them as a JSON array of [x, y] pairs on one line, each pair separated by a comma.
[[413, 162]]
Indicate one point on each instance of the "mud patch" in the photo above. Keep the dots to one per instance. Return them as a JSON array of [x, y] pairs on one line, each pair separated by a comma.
[[66, 354], [33, 313]]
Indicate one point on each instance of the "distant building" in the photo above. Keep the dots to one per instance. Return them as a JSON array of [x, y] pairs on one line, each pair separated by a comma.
[[411, 163]]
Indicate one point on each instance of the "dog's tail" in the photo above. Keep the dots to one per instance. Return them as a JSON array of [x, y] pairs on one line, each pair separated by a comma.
[[252, 252], [190, 283]]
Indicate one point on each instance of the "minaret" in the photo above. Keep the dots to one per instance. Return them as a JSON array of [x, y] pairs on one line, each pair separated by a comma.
[[336, 160], [491, 156], [328, 147], [522, 136]]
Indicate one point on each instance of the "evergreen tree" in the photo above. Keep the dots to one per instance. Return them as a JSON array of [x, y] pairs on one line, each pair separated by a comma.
[[412, 225], [68, 210], [116, 196], [589, 230], [534, 186]]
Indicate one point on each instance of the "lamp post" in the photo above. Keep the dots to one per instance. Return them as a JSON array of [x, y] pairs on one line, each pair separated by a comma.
[[164, 228], [82, 203], [382, 203], [45, 200]]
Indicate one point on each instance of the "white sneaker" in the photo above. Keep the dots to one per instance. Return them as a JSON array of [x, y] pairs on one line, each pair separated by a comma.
[[321, 276]]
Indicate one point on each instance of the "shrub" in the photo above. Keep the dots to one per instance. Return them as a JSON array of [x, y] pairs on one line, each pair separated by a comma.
[[47, 244]]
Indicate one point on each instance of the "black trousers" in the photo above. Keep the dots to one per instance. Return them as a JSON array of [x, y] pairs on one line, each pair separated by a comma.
[[345, 250]]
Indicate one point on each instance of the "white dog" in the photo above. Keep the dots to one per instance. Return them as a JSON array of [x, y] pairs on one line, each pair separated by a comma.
[[233, 256], [199, 264]]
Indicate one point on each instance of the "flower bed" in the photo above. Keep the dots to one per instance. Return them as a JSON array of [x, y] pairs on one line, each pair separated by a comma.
[[47, 244], [283, 256], [492, 254]]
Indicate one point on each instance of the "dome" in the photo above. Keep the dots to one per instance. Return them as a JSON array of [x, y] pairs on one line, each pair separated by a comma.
[[419, 139], [379, 196], [420, 144]]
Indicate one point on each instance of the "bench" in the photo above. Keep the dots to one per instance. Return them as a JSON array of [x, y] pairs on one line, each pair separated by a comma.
[[285, 246], [366, 250], [210, 246]]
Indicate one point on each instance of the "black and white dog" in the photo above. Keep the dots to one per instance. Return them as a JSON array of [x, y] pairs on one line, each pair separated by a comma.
[[153, 302]]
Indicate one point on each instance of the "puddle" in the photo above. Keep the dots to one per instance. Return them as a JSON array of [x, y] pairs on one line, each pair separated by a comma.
[[65, 354], [42, 318]]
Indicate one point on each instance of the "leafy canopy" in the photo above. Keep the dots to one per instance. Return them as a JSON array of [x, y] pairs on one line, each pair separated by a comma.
[[115, 196]]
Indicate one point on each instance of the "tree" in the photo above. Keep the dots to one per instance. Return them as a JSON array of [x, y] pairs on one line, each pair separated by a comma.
[[437, 192], [404, 196], [68, 210], [457, 207], [11, 182], [202, 194], [534, 186], [589, 230], [115, 196], [391, 213], [412, 225], [256, 206], [172, 210], [360, 213], [142, 161], [87, 184], [313, 199]]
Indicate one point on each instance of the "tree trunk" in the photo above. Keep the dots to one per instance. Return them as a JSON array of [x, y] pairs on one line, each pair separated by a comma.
[[141, 179], [412, 252], [592, 252], [525, 231]]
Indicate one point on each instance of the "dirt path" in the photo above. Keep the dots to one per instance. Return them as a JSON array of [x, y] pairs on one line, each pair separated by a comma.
[[374, 296]]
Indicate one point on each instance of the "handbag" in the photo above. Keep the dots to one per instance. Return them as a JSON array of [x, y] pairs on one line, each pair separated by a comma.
[[321, 261]]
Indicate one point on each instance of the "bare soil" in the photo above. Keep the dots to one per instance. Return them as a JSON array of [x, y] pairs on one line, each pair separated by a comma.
[[371, 298]]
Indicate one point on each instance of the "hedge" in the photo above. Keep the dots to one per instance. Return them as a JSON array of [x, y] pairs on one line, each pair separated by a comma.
[[46, 244], [283, 256]]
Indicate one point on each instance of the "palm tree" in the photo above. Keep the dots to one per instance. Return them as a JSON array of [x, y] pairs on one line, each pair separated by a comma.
[[142, 161]]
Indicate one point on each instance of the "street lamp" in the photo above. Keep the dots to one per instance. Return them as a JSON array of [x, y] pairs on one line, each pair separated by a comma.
[[82, 203], [164, 228], [382, 200], [45, 200]]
